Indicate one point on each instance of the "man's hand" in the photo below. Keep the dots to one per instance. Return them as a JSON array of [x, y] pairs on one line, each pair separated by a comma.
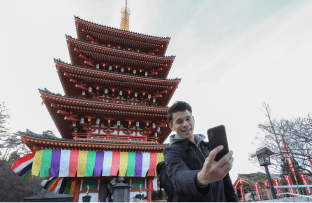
[[213, 171]]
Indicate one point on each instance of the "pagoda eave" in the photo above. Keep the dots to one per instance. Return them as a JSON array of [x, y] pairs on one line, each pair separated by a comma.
[[88, 54], [75, 79], [90, 145], [101, 34]]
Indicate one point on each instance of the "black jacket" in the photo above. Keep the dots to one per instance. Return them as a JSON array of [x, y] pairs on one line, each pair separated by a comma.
[[183, 161]]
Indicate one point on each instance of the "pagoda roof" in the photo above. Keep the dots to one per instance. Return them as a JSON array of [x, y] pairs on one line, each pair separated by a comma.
[[97, 77], [74, 107], [41, 141], [81, 50], [102, 34]]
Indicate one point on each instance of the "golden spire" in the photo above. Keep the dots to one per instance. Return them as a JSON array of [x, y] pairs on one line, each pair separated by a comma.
[[125, 12]]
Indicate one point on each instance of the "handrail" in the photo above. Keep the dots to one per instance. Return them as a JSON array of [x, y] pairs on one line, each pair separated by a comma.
[[288, 193], [292, 186]]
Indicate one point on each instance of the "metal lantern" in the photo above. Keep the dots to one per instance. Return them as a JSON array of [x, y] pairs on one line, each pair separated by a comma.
[[83, 93], [106, 91], [135, 94], [82, 120], [146, 73], [97, 121], [154, 100], [149, 96], [110, 67], [90, 89], [74, 124], [120, 92], [97, 66], [154, 125], [263, 156], [134, 71], [118, 122], [122, 70], [137, 124]]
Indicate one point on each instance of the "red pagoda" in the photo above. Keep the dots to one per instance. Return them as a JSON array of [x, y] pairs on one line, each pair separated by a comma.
[[112, 118]]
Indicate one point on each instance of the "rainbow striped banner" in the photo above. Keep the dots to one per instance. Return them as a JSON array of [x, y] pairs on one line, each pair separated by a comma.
[[59, 164]]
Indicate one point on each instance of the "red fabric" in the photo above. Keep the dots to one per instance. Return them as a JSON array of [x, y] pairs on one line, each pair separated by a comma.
[[152, 185], [277, 183], [289, 161], [257, 189], [289, 182], [305, 181], [242, 192], [55, 184], [266, 183], [23, 159], [115, 163], [152, 167], [73, 163]]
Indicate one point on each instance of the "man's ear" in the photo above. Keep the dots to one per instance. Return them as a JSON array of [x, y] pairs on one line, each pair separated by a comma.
[[170, 126], [193, 119]]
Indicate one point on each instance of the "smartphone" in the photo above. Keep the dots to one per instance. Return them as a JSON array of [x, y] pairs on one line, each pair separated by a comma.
[[217, 136]]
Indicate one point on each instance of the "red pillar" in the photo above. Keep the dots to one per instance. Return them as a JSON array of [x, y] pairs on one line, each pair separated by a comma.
[[149, 189], [76, 191]]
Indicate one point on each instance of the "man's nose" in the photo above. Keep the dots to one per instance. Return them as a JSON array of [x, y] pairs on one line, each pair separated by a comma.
[[185, 123]]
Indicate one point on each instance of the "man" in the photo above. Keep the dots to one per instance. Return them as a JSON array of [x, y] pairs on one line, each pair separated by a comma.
[[190, 164]]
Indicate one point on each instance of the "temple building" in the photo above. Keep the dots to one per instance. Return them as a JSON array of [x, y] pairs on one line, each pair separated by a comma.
[[112, 118]]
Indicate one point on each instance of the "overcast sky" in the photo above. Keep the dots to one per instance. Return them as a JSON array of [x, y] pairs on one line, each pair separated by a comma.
[[231, 55]]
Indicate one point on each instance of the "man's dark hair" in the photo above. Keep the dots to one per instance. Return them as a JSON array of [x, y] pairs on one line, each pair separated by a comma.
[[176, 107]]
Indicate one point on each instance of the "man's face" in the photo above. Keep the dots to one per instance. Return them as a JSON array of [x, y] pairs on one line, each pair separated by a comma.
[[183, 124]]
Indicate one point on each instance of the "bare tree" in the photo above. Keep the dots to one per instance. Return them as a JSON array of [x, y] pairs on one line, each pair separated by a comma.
[[291, 134]]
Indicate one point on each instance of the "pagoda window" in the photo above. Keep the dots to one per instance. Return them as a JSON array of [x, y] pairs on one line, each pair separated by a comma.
[[138, 183], [93, 184]]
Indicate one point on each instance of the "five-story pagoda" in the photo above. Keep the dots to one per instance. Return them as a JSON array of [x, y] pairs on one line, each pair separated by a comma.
[[112, 118]]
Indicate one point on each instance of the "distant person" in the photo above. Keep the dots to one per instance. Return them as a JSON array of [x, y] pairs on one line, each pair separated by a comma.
[[190, 164]]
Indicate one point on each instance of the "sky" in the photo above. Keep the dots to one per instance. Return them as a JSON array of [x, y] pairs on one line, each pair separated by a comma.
[[231, 55]]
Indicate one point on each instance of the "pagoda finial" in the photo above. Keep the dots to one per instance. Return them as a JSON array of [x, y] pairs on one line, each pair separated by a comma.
[[125, 12]]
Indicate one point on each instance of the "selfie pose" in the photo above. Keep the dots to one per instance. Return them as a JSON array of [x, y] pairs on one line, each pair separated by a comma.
[[191, 165]]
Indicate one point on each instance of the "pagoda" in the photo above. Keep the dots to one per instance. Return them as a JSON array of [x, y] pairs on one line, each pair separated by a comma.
[[112, 118]]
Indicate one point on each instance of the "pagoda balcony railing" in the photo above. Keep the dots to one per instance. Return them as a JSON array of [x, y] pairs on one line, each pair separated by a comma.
[[101, 137]]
